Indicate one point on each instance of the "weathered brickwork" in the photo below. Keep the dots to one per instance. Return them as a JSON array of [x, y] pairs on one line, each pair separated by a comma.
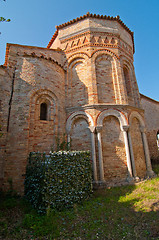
[[151, 108], [138, 149], [105, 87], [114, 156], [80, 135], [82, 85]]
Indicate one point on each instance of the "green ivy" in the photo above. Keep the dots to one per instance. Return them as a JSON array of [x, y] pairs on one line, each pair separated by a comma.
[[58, 180]]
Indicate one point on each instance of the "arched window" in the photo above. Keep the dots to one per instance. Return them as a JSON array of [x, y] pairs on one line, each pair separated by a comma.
[[127, 80], [43, 111]]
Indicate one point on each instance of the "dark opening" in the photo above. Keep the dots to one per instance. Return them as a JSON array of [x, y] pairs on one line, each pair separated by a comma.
[[43, 111]]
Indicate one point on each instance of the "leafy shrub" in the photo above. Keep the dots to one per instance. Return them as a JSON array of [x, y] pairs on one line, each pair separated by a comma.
[[58, 180]]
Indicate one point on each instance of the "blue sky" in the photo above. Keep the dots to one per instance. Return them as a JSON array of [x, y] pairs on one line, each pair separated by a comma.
[[33, 23]]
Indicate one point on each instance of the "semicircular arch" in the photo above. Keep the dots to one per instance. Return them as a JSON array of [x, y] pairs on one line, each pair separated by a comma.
[[73, 57], [120, 116], [99, 52], [74, 116], [135, 114]]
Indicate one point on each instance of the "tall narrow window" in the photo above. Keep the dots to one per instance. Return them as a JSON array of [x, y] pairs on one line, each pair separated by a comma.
[[43, 111]]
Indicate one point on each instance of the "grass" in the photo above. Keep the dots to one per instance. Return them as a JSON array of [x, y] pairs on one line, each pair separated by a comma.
[[128, 212]]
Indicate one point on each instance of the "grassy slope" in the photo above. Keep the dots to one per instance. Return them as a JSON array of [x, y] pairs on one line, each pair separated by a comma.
[[128, 212]]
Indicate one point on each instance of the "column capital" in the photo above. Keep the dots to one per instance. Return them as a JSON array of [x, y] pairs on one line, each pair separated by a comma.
[[99, 128], [92, 129], [142, 129], [125, 128]]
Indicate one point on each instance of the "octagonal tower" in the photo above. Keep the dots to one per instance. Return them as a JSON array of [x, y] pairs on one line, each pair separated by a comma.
[[98, 48], [102, 95]]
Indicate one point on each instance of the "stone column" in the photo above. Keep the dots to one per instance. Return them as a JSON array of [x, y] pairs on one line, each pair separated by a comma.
[[92, 130], [125, 129], [150, 173], [101, 169], [132, 155]]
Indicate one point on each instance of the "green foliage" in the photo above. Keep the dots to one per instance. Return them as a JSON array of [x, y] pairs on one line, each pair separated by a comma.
[[116, 213], [58, 180], [155, 167], [2, 19], [64, 145]]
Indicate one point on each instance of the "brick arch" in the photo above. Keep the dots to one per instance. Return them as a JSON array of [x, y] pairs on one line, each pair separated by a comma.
[[120, 116], [79, 114], [126, 61], [34, 94], [139, 143], [138, 116], [74, 56], [127, 58], [43, 132], [116, 96], [114, 144], [105, 79], [74, 61], [77, 83], [44, 95], [96, 53]]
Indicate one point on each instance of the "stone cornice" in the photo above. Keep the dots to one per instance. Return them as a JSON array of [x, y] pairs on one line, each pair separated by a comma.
[[103, 106], [149, 99], [33, 55]]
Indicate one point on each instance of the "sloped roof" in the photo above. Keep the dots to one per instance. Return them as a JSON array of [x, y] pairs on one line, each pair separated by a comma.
[[90, 15]]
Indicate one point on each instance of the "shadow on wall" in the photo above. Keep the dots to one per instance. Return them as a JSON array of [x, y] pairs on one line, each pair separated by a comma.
[[105, 88], [77, 88], [80, 135]]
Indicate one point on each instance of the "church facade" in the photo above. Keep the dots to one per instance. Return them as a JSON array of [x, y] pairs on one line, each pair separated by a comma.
[[82, 85]]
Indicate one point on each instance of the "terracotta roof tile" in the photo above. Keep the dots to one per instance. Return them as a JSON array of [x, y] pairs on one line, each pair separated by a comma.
[[117, 18], [7, 54]]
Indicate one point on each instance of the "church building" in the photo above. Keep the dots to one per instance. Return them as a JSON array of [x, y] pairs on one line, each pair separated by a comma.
[[82, 85]]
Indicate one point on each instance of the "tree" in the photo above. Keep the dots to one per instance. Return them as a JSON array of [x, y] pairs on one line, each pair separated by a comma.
[[2, 19]]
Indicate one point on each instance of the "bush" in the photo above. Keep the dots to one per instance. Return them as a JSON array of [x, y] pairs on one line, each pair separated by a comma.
[[58, 180]]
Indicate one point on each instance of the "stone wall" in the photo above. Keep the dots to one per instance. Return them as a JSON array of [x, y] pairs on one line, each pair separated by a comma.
[[151, 108]]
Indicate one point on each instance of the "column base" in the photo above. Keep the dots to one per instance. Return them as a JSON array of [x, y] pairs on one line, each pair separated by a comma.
[[99, 184], [150, 174], [130, 179]]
